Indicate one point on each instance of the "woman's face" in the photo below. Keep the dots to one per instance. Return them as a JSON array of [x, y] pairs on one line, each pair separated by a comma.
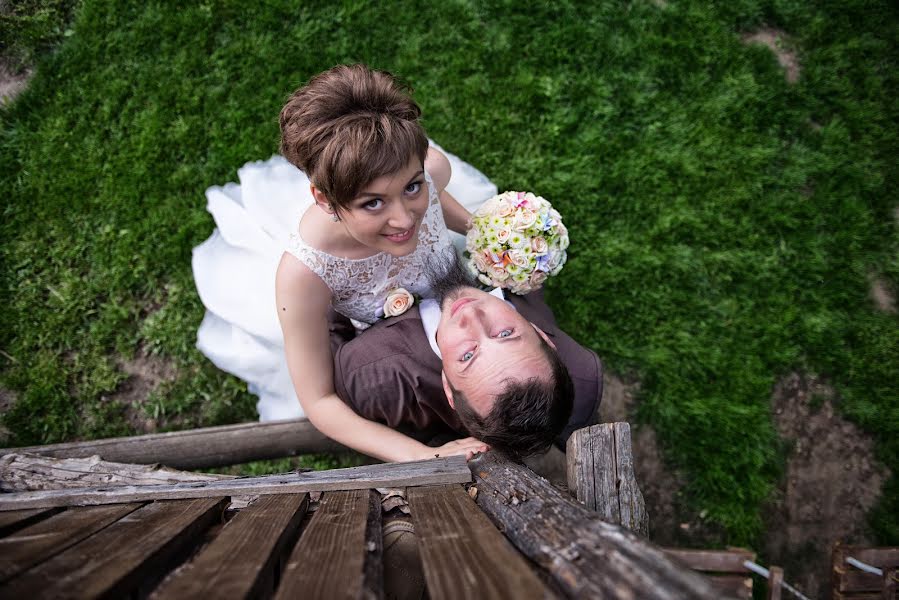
[[386, 215]]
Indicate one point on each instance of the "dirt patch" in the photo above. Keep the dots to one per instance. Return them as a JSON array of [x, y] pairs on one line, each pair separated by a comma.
[[832, 481], [12, 83], [779, 43], [884, 298], [145, 373]]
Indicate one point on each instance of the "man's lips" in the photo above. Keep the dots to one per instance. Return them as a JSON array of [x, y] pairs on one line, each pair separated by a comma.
[[454, 308], [403, 236]]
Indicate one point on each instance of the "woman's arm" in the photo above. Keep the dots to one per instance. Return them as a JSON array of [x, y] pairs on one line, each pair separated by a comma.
[[303, 300], [456, 216]]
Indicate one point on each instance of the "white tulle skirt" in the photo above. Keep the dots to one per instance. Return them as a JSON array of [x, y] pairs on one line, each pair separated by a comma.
[[234, 271]]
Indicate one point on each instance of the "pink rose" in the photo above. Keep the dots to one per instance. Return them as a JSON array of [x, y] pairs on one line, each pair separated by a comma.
[[503, 235], [518, 257], [398, 301], [539, 245], [498, 272]]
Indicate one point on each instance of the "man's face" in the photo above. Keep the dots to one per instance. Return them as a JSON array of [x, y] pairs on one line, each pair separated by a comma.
[[484, 342]]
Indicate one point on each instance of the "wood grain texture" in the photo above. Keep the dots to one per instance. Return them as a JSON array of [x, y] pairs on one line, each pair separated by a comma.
[[463, 555], [586, 556], [451, 469], [331, 558], [718, 561], [39, 542], [201, 448], [21, 472], [601, 475], [132, 552], [240, 561], [775, 583], [17, 519]]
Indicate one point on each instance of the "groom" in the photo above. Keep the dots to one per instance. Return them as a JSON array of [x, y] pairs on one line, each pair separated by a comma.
[[471, 361]]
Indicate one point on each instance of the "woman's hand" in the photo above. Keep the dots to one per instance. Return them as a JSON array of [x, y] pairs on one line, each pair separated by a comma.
[[468, 446]]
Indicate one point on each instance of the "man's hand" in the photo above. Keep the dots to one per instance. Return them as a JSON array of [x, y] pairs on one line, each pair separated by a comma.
[[468, 446]]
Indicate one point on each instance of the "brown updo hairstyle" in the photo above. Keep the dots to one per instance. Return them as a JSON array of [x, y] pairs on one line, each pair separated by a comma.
[[348, 126]]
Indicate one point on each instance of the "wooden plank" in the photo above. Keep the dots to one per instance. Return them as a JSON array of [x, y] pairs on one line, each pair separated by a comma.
[[450, 469], [775, 583], [132, 552], [330, 561], [876, 557], [28, 472], [39, 542], [732, 586], [889, 583], [17, 519], [201, 448], [586, 556], [854, 580], [462, 553], [601, 475], [240, 561], [719, 561]]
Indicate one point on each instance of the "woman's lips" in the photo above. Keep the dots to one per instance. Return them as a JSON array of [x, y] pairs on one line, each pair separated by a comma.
[[399, 238]]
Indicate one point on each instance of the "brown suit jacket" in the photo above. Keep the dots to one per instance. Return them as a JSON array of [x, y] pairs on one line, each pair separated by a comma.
[[389, 373]]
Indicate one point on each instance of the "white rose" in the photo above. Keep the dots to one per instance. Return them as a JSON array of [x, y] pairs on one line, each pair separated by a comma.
[[563, 242], [539, 245], [503, 234], [524, 219], [398, 301], [503, 209], [482, 261]]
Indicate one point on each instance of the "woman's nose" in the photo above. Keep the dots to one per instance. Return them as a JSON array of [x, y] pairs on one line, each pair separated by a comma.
[[401, 217]]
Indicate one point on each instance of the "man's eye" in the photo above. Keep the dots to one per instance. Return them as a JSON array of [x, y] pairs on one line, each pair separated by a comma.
[[413, 187], [467, 356], [504, 333], [373, 204]]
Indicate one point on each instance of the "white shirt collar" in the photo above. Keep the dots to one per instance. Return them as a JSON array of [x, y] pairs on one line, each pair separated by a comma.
[[429, 310]]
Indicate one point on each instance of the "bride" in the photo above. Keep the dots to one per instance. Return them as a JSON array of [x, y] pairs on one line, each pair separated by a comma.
[[354, 210]]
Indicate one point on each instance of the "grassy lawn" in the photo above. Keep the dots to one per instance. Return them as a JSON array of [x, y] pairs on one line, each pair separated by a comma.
[[725, 224]]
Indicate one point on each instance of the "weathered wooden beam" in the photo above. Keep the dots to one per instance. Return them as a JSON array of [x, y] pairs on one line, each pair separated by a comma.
[[19, 519], [339, 554], [601, 475], [586, 556], [30, 472], [451, 469], [201, 448], [462, 553]]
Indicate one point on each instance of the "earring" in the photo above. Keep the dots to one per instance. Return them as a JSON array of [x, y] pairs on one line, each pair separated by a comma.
[[334, 216]]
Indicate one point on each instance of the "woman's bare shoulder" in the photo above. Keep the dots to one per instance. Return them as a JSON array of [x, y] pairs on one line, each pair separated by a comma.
[[438, 167]]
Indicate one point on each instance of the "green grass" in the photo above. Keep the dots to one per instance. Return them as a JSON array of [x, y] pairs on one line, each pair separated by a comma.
[[724, 223]]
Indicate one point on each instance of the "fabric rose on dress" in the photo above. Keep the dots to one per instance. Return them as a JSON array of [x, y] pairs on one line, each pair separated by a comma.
[[398, 301]]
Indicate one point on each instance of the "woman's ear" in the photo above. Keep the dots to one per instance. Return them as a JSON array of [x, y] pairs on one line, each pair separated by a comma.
[[447, 390], [321, 199]]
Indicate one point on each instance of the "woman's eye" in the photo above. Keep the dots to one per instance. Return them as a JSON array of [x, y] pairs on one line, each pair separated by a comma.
[[413, 188], [504, 333], [467, 356], [373, 204]]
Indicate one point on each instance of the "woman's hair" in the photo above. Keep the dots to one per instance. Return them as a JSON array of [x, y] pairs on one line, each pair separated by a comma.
[[348, 126]]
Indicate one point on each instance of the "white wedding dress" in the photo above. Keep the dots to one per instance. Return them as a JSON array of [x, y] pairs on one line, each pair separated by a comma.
[[256, 222]]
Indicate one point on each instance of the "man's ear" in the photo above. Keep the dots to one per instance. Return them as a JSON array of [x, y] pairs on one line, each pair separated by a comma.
[[321, 199], [544, 336], [447, 390]]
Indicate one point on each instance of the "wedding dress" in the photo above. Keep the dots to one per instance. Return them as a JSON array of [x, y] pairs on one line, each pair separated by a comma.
[[256, 221]]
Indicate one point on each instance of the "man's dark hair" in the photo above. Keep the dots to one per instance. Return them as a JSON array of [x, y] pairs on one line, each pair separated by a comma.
[[528, 415]]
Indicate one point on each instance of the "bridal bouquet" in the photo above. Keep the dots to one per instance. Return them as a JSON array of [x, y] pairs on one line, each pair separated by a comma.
[[516, 241]]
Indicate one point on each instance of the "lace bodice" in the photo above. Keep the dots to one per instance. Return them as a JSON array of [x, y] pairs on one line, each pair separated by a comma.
[[359, 287]]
